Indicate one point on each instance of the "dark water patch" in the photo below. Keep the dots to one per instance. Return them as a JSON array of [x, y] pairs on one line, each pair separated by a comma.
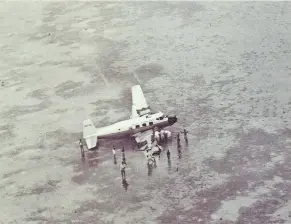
[[38, 94], [262, 210], [202, 209], [49, 32], [259, 137], [87, 166], [56, 139], [4, 186], [110, 104], [283, 169], [110, 54], [70, 89], [226, 82], [107, 206], [6, 132], [40, 219], [252, 151], [63, 34], [148, 71], [50, 186], [23, 110], [19, 149], [206, 201], [202, 114], [120, 106], [36, 217], [10, 174], [105, 118], [60, 111], [38, 211], [186, 10], [252, 61], [81, 179]]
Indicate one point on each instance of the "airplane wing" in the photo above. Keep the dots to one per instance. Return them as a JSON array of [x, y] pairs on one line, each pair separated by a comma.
[[144, 139], [144, 142], [139, 103]]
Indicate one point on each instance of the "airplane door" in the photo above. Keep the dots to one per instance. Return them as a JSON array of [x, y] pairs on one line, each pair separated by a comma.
[[133, 129]]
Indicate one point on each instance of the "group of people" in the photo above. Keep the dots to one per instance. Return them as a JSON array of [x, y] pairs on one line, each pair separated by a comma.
[[123, 165], [162, 135], [123, 162], [158, 137]]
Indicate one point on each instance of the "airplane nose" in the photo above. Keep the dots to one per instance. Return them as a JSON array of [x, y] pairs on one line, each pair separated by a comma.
[[172, 120]]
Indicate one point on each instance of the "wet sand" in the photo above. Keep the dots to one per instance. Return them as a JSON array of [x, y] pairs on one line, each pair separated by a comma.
[[222, 68]]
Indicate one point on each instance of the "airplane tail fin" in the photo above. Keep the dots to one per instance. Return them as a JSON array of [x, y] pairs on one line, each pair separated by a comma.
[[90, 133]]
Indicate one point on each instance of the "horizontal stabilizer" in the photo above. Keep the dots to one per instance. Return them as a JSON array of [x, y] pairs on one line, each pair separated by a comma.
[[90, 134]]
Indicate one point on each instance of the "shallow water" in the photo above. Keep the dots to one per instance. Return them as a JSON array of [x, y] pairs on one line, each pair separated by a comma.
[[222, 68]]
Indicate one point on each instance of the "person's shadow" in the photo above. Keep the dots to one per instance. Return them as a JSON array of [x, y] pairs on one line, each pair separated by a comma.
[[150, 169], [125, 183], [169, 164], [179, 153], [186, 139]]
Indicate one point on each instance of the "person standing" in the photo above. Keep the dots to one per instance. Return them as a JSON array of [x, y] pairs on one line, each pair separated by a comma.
[[160, 136], [168, 154], [157, 136], [123, 155], [81, 148], [159, 152], [114, 155], [122, 169], [165, 135], [113, 151], [169, 160], [185, 132]]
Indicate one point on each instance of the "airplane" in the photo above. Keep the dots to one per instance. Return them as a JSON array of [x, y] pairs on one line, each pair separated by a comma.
[[140, 124]]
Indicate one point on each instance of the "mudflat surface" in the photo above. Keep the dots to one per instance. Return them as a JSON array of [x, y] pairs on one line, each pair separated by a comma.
[[222, 68]]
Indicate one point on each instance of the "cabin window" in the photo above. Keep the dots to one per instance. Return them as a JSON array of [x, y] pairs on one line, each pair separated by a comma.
[[137, 126], [161, 118], [158, 118], [144, 124], [151, 123]]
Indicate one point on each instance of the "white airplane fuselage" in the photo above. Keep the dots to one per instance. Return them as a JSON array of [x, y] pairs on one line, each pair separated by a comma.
[[135, 125]]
